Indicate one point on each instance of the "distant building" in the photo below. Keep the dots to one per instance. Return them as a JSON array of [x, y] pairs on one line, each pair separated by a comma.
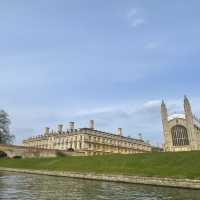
[[181, 131], [89, 140]]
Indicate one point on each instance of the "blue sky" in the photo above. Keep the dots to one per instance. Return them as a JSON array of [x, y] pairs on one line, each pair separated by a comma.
[[111, 61]]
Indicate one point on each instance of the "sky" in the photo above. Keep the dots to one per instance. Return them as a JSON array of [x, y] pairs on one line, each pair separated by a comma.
[[111, 61]]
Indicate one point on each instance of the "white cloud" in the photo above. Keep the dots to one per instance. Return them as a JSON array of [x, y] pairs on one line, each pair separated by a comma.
[[137, 22], [95, 110], [152, 45], [135, 17], [132, 12], [138, 118], [135, 117], [152, 103]]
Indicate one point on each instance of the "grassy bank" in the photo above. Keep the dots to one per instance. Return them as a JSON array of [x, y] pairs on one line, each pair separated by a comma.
[[179, 165]]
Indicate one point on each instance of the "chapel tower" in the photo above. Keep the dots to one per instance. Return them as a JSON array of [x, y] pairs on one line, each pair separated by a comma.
[[181, 131]]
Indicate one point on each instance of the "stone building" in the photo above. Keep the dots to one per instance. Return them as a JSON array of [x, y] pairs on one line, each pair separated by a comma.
[[88, 140], [181, 131]]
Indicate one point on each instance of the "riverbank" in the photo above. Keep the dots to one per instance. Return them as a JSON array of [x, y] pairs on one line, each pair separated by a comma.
[[179, 169], [171, 165], [165, 182]]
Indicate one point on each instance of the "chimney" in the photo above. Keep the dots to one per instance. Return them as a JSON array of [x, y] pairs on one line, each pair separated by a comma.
[[119, 131], [46, 130], [140, 136], [92, 125], [60, 128], [71, 125]]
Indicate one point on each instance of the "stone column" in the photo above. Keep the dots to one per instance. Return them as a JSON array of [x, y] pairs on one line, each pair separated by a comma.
[[60, 128], [92, 124], [46, 130], [119, 131], [71, 125]]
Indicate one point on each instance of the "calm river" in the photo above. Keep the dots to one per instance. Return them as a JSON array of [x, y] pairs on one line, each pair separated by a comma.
[[29, 187]]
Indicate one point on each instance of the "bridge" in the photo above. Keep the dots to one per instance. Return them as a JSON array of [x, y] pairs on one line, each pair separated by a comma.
[[14, 151]]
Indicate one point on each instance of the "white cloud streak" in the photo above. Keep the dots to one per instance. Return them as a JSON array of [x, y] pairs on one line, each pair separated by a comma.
[[134, 118], [152, 45], [135, 18], [137, 22]]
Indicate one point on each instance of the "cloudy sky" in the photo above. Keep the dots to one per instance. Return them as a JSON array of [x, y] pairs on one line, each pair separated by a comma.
[[111, 61]]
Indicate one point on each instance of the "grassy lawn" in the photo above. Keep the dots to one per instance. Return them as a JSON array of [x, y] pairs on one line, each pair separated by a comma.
[[179, 165]]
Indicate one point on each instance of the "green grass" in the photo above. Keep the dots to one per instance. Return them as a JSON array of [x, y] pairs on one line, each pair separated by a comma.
[[179, 165]]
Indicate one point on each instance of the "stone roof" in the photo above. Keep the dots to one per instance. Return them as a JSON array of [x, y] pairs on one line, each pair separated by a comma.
[[174, 116]]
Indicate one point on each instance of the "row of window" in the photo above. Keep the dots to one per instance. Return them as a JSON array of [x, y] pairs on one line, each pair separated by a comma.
[[74, 138], [78, 145], [55, 146], [112, 142], [62, 141], [102, 147]]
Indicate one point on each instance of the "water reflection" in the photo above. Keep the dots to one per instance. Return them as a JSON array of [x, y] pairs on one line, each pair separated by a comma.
[[26, 186]]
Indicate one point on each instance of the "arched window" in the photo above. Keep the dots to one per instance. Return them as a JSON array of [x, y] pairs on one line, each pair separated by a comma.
[[179, 136]]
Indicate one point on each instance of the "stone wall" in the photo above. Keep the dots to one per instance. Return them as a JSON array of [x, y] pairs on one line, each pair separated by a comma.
[[166, 182]]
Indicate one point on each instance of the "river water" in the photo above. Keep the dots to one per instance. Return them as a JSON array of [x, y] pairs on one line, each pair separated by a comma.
[[35, 187]]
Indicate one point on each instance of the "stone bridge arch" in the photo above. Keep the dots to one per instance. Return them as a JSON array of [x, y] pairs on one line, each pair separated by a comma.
[[14, 151], [3, 154], [9, 151]]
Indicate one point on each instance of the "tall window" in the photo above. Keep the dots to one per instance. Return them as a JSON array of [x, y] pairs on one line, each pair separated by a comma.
[[179, 136]]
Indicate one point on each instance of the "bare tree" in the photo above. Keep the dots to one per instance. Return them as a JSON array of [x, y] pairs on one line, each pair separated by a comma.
[[5, 136]]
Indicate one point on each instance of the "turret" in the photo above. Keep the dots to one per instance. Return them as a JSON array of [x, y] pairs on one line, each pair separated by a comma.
[[190, 124], [187, 108], [164, 113], [166, 130]]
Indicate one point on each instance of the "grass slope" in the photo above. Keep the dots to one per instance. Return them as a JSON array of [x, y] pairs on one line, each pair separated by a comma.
[[179, 165]]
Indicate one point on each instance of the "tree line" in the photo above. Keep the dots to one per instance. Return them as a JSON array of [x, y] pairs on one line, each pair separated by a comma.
[[5, 136]]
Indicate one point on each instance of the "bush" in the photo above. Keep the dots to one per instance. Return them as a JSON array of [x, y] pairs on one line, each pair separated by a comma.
[[60, 154], [3, 154], [17, 157]]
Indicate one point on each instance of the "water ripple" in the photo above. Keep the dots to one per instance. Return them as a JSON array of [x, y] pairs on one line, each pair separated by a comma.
[[35, 187]]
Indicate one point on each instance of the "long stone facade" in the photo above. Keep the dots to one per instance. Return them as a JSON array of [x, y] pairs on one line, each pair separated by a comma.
[[88, 140], [181, 131]]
